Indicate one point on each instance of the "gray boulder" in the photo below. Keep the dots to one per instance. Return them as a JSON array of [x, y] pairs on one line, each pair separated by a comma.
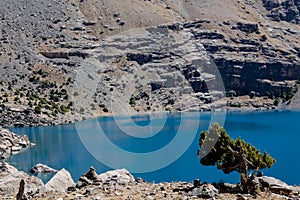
[[275, 185], [247, 27], [11, 178], [121, 176], [40, 168], [204, 191], [61, 181]]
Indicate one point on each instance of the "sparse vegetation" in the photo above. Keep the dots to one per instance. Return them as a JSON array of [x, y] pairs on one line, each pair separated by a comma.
[[132, 101], [231, 155], [234, 104], [44, 62], [276, 102]]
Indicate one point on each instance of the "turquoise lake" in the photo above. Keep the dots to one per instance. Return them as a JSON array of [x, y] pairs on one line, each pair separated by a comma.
[[277, 132]]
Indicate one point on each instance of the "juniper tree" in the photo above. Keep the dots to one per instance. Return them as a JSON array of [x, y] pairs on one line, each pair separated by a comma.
[[234, 155]]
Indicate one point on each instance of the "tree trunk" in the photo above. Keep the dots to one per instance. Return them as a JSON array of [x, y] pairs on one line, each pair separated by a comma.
[[248, 186]]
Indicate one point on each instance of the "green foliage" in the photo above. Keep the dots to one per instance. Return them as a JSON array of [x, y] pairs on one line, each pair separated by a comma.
[[42, 73], [224, 159], [69, 81], [276, 102], [286, 96], [234, 155], [16, 99], [37, 110], [54, 113], [132, 101], [64, 109], [43, 101], [234, 104], [263, 38], [70, 105], [270, 95], [54, 98], [107, 78], [102, 105], [34, 79]]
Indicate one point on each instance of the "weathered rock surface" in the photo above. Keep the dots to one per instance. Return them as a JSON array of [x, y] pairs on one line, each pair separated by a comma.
[[121, 176], [41, 168], [204, 191], [11, 117], [11, 178], [287, 10], [275, 185], [61, 181], [11, 143], [120, 184]]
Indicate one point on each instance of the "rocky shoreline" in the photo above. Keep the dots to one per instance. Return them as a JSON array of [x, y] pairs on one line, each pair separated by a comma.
[[116, 184], [120, 184], [25, 117], [11, 143], [12, 117]]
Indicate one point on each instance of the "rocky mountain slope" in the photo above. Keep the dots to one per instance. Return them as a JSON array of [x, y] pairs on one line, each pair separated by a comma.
[[64, 60]]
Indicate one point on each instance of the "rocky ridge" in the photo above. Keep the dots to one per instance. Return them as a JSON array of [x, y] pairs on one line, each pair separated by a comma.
[[120, 184]]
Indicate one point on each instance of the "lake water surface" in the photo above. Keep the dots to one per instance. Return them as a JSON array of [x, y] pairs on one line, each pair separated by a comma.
[[61, 146]]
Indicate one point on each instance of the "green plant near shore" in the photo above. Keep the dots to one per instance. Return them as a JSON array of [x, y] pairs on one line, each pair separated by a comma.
[[44, 97], [234, 155]]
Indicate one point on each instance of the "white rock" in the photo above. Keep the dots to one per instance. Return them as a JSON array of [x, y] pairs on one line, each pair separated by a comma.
[[16, 148], [149, 198], [204, 191], [275, 185], [121, 175], [10, 180], [60, 181], [41, 168]]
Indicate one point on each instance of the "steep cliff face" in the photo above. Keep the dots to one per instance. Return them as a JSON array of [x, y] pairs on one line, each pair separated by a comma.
[[287, 10], [250, 60], [45, 44]]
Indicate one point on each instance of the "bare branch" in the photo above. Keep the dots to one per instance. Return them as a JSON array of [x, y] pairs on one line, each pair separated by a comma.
[[231, 168]]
